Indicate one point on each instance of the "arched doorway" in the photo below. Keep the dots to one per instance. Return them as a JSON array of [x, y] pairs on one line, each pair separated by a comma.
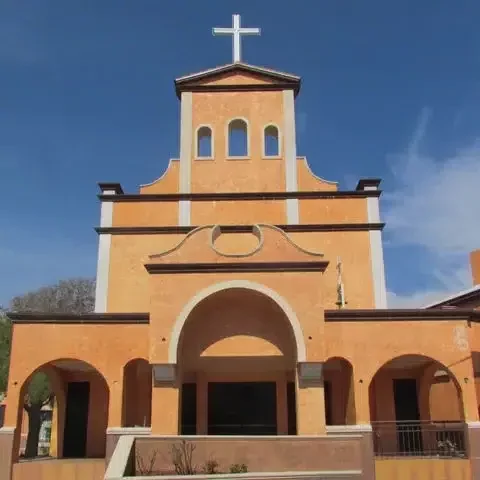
[[416, 408], [137, 394], [237, 356], [339, 392], [72, 398]]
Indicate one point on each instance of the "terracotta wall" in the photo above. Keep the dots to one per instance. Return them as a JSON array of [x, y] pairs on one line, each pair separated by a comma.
[[90, 469], [422, 468], [263, 454]]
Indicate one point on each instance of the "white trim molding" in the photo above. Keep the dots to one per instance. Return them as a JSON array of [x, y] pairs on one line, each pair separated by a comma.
[[212, 143], [227, 139], [291, 182], [245, 284], [121, 455], [376, 252], [279, 141], [358, 428], [185, 157], [7, 430], [103, 258], [129, 431]]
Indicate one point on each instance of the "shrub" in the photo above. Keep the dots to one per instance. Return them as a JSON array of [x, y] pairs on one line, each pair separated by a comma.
[[238, 468], [211, 467]]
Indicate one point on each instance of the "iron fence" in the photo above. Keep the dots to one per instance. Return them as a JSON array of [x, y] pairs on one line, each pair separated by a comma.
[[419, 439]]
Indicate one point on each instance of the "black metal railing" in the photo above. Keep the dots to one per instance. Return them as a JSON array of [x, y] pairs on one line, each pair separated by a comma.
[[419, 439]]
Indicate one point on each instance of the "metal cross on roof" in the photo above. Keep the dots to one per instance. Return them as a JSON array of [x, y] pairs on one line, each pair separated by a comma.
[[236, 31]]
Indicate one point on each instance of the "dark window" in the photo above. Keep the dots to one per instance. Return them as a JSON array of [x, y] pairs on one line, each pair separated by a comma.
[[237, 139], [76, 420], [189, 409], [271, 141], [204, 142]]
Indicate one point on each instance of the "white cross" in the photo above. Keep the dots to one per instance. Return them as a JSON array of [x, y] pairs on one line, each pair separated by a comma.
[[236, 31]]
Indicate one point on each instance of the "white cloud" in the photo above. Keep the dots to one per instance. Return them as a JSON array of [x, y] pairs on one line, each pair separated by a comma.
[[435, 206]]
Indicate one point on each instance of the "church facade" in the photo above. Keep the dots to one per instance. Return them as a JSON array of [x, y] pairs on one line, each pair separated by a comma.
[[241, 295]]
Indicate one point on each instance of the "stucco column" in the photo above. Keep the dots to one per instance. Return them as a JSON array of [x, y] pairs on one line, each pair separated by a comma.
[[310, 399], [115, 402], [282, 407], [165, 400], [359, 407], [202, 404]]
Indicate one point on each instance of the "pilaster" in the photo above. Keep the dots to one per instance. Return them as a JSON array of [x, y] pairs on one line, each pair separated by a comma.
[[310, 399]]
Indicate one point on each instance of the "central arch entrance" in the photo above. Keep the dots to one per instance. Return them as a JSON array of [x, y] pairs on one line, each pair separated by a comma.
[[237, 355]]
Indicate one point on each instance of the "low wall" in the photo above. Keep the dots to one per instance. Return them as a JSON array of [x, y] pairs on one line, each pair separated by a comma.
[[422, 468], [259, 454], [59, 469]]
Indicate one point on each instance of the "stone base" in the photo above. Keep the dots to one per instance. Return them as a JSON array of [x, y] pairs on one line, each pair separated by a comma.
[[368, 454], [473, 442], [6, 452]]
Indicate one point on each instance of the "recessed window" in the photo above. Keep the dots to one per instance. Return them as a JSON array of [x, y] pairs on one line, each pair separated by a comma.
[[204, 142], [238, 138], [271, 141]]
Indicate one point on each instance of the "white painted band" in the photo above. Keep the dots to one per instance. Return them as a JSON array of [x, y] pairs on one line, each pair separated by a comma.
[[359, 428], [376, 252], [185, 157], [103, 258], [289, 135], [129, 431]]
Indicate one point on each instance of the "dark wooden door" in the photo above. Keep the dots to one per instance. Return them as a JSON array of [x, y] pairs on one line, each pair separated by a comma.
[[76, 420]]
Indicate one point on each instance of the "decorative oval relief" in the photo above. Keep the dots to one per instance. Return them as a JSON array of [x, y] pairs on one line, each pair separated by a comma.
[[236, 244]]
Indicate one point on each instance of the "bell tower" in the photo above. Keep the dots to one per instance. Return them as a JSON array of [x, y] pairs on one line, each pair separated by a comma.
[[237, 131]]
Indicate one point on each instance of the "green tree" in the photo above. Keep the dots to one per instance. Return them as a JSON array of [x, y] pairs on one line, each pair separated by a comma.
[[75, 295], [5, 341]]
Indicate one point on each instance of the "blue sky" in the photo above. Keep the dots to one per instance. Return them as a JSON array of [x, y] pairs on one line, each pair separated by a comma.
[[390, 89]]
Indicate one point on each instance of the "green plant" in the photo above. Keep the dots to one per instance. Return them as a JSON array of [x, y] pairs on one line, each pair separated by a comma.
[[238, 468], [182, 458], [210, 467]]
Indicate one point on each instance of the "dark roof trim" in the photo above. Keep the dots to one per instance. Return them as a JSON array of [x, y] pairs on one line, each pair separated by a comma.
[[419, 314], [466, 297], [236, 67], [175, 197], [85, 318], [161, 268], [368, 182], [308, 227], [104, 186], [283, 79]]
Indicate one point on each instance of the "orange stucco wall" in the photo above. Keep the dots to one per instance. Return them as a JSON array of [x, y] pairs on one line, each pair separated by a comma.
[[130, 290]]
